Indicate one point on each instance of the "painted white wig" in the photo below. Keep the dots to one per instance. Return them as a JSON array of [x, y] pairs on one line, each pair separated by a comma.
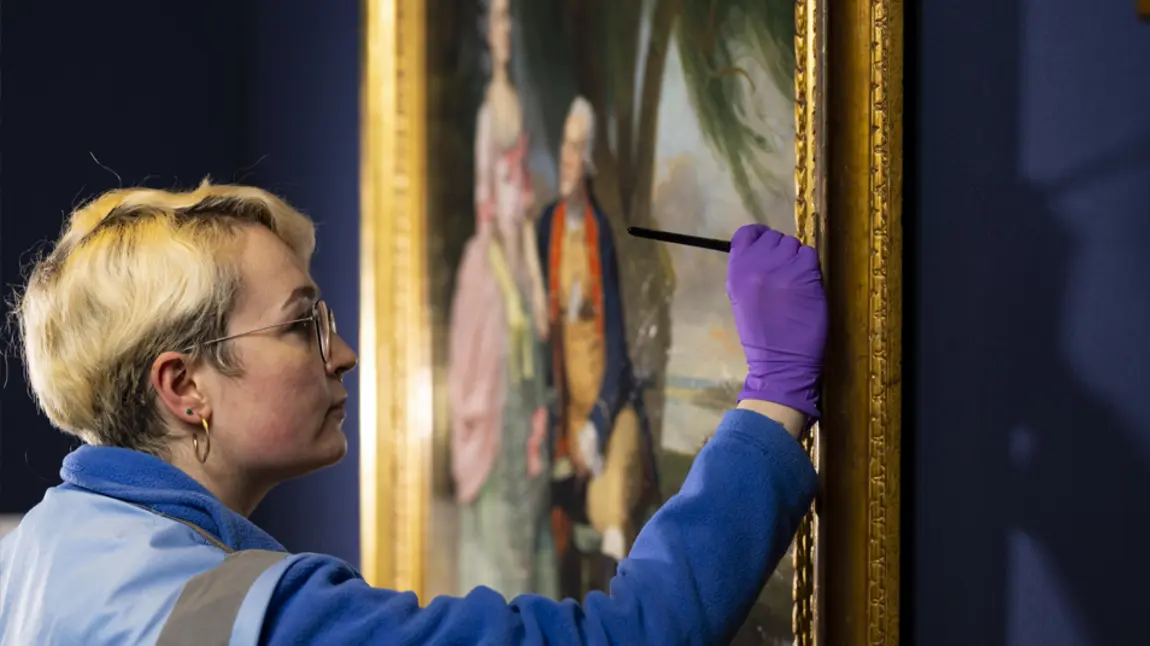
[[581, 107]]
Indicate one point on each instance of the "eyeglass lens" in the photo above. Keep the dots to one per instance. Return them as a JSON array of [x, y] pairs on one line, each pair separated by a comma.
[[325, 324]]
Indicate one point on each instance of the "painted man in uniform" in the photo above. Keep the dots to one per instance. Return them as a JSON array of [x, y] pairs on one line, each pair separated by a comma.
[[600, 449]]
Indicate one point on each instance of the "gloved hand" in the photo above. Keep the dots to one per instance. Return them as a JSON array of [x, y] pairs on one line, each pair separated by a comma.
[[775, 287]]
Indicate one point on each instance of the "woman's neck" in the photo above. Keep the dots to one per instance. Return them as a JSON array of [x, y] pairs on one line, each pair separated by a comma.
[[239, 493], [499, 76]]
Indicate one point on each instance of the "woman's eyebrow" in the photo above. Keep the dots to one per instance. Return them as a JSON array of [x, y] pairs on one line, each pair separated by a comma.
[[302, 293]]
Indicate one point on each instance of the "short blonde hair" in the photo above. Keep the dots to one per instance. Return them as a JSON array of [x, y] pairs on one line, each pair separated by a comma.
[[138, 272]]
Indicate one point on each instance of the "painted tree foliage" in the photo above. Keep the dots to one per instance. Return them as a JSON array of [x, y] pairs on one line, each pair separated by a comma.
[[614, 52]]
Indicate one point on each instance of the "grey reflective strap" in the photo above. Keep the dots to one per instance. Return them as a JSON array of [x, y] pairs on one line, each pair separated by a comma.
[[207, 608]]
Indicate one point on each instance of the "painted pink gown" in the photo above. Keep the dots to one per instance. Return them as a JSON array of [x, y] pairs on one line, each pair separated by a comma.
[[496, 393]]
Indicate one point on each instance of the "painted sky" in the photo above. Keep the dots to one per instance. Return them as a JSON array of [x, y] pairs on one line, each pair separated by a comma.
[[693, 193]]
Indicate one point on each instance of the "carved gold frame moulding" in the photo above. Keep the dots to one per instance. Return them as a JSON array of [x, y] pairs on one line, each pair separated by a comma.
[[848, 177]]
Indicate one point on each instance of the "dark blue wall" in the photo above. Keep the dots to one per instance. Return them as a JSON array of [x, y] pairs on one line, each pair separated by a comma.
[[258, 91], [1029, 204], [158, 92]]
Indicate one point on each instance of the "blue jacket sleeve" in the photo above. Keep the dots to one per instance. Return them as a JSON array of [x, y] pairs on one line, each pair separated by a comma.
[[692, 576]]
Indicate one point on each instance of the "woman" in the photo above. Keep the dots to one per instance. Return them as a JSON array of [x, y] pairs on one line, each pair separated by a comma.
[[180, 336], [499, 456]]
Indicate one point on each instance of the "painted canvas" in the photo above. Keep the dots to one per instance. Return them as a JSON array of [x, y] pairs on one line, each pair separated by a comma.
[[578, 370]]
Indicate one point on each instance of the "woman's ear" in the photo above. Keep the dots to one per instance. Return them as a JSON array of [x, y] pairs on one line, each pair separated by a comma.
[[176, 388]]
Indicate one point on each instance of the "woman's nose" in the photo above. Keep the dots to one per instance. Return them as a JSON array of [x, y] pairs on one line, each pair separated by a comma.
[[343, 358]]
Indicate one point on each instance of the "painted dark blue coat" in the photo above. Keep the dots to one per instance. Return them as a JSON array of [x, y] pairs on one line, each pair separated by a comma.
[[618, 388]]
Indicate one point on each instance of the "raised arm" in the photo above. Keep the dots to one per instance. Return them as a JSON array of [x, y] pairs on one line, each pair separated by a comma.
[[698, 565], [691, 578]]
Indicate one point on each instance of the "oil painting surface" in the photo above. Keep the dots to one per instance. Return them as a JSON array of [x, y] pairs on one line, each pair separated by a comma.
[[579, 370]]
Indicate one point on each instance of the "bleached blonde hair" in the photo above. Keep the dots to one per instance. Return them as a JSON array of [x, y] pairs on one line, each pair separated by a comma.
[[138, 272]]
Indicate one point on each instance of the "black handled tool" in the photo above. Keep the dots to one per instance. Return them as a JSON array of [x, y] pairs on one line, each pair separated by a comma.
[[681, 238]]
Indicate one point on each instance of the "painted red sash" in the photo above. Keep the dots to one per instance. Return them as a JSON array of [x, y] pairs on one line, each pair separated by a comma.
[[554, 262]]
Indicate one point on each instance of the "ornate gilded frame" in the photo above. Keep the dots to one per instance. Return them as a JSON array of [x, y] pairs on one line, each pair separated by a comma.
[[849, 168]]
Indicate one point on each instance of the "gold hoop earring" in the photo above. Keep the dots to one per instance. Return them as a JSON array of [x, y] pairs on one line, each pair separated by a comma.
[[207, 442]]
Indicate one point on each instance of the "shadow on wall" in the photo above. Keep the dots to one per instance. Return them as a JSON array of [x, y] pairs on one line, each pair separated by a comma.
[[1032, 422]]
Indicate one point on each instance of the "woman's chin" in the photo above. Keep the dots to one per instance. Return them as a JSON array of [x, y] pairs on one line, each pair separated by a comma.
[[328, 450], [332, 446]]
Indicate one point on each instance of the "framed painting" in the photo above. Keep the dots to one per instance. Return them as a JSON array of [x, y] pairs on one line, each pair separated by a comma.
[[507, 316]]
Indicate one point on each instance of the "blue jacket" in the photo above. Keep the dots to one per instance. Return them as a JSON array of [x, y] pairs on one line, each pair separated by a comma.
[[691, 578]]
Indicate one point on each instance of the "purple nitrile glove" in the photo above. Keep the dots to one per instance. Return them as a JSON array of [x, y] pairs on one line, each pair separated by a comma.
[[776, 292]]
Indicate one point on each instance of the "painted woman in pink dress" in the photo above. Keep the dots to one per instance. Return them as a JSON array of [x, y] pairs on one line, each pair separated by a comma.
[[495, 372]]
